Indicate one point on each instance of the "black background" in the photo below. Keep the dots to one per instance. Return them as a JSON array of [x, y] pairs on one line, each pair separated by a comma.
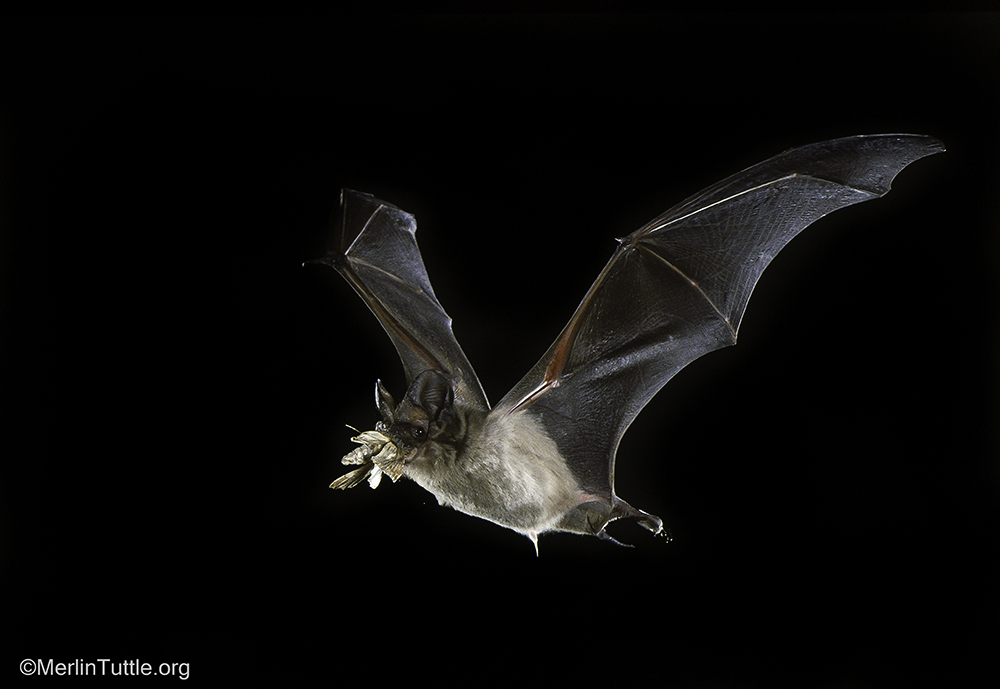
[[176, 385]]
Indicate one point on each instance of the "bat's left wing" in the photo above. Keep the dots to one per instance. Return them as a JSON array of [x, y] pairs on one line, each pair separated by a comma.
[[376, 251], [677, 288]]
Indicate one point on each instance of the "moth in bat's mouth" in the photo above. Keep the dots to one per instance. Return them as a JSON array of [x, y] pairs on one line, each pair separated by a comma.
[[376, 455]]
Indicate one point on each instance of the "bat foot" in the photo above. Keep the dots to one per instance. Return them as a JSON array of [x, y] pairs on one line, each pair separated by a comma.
[[644, 519], [623, 510], [594, 516]]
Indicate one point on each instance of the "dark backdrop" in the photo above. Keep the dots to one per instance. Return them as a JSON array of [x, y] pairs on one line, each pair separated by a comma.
[[176, 386]]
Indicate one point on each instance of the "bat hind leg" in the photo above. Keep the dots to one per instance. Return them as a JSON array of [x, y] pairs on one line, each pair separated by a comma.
[[593, 516], [624, 510]]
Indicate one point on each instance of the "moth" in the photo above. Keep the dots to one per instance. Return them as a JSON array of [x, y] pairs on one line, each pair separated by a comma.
[[543, 459]]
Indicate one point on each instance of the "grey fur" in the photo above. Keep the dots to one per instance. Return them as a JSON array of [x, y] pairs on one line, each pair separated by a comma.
[[509, 472]]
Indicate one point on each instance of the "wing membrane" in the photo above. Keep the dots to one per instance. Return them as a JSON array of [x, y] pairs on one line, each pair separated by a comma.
[[376, 252], [677, 288]]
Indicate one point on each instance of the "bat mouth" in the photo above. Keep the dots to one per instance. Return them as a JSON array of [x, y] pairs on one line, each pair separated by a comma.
[[406, 452], [410, 453], [406, 449]]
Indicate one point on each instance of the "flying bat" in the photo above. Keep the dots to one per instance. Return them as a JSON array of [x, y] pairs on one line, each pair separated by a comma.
[[543, 459]]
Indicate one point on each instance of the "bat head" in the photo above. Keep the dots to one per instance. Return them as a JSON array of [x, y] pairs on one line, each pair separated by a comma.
[[425, 422]]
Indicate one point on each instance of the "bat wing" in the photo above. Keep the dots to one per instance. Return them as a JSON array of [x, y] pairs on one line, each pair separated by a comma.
[[677, 288], [376, 252]]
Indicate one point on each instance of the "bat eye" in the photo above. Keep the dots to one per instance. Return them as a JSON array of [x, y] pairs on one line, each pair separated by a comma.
[[418, 433]]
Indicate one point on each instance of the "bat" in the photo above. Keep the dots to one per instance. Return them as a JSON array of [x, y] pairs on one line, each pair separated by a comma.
[[543, 459]]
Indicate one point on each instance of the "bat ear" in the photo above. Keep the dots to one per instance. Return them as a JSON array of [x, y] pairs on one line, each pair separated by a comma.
[[427, 412], [432, 392], [384, 402]]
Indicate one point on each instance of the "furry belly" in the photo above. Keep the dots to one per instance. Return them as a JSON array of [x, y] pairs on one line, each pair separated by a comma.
[[514, 476]]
